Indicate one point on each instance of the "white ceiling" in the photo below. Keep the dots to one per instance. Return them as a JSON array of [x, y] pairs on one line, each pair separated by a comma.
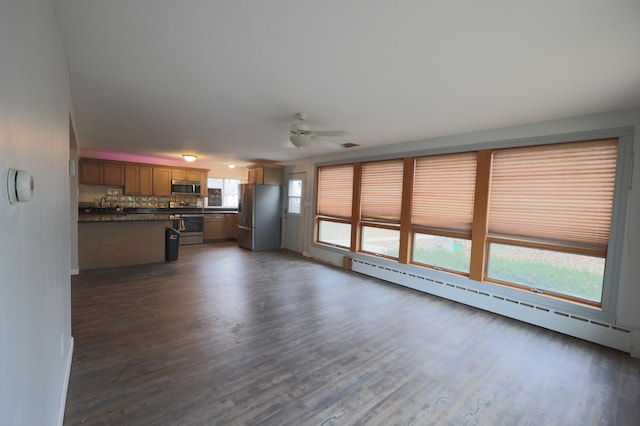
[[223, 79]]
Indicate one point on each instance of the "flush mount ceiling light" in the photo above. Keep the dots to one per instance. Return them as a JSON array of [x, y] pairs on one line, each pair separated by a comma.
[[231, 165], [189, 158]]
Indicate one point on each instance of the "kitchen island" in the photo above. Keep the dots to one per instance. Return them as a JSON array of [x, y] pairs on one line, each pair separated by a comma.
[[112, 240]]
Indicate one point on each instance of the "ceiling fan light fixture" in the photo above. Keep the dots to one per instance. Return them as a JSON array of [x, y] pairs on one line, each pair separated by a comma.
[[189, 158], [300, 140]]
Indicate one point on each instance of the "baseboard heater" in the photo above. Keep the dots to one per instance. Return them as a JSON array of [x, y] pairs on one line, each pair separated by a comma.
[[584, 328]]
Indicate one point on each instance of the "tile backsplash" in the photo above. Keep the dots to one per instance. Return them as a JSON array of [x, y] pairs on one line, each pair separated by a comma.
[[107, 196]]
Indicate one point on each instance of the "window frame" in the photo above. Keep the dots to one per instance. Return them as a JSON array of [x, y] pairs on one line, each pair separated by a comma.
[[606, 309]]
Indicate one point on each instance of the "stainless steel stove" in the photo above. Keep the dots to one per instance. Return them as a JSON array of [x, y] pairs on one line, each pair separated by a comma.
[[191, 227]]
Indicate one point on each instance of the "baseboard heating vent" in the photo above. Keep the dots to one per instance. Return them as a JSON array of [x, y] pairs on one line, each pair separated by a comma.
[[577, 326]]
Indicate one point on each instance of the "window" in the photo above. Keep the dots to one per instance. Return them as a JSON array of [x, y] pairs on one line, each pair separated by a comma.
[[549, 216], [222, 192], [334, 205], [334, 233], [534, 218], [380, 209], [381, 241], [294, 196], [442, 210]]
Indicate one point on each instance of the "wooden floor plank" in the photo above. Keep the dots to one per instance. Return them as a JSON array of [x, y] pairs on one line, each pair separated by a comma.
[[224, 336]]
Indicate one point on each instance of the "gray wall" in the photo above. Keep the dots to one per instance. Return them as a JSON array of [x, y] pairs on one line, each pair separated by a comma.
[[35, 313]]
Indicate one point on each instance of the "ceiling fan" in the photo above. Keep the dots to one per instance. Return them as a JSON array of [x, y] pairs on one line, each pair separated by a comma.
[[301, 135]]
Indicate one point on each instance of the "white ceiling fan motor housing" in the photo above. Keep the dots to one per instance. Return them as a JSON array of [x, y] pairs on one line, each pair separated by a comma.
[[300, 140]]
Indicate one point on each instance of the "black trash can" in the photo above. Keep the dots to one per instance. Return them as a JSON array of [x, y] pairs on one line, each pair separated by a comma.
[[171, 244]]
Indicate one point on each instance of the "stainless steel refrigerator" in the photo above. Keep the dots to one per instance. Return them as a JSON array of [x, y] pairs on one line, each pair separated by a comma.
[[259, 216]]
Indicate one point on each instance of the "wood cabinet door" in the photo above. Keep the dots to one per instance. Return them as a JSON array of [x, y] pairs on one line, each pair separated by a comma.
[[178, 174], [214, 227], [251, 177], [192, 175], [161, 181], [90, 172], [230, 226], [145, 180], [131, 181], [204, 182], [113, 174]]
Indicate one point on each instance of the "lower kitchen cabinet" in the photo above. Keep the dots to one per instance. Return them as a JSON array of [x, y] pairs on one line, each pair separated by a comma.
[[231, 226], [220, 227], [213, 227]]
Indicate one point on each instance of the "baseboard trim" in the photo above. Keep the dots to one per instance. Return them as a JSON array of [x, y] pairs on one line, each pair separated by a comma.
[[65, 385]]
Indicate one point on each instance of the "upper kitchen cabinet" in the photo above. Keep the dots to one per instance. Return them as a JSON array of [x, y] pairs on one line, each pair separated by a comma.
[[113, 174], [101, 172], [204, 181], [266, 174], [161, 181], [186, 175], [138, 179], [90, 172]]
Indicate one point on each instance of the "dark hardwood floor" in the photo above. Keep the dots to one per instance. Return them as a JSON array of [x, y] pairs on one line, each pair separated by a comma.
[[224, 336]]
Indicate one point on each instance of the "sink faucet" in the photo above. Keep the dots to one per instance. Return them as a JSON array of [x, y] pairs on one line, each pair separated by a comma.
[[103, 201]]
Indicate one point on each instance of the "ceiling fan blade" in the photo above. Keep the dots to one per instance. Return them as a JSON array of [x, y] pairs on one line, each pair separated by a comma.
[[330, 133]]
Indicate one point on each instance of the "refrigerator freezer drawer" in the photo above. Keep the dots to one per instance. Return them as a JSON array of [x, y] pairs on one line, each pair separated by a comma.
[[245, 237]]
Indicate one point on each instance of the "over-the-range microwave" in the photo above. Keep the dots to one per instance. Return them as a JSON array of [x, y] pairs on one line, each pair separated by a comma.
[[185, 187]]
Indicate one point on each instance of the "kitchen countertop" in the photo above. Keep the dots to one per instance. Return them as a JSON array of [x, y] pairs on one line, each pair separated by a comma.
[[123, 217], [109, 214]]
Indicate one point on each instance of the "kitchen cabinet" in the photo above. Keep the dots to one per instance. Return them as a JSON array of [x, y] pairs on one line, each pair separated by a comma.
[[161, 181], [90, 172], [214, 229], [101, 173], [138, 179], [113, 174], [266, 174], [220, 227], [231, 226], [185, 174], [145, 180], [204, 181]]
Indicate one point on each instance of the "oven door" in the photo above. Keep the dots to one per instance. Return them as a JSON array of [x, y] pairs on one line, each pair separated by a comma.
[[191, 229], [190, 224]]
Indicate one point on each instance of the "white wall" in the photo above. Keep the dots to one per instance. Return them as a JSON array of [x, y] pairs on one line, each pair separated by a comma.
[[35, 312], [628, 300]]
